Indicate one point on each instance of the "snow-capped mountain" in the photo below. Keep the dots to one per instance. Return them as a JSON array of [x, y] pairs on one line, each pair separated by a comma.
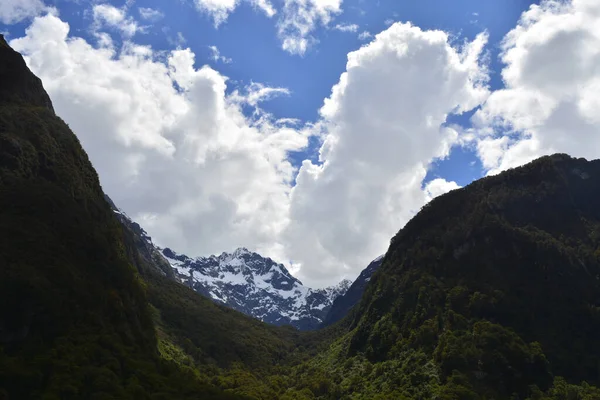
[[242, 280], [256, 286]]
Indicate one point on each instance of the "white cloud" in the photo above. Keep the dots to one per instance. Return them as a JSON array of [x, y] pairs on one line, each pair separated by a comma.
[[296, 23], [219, 10], [265, 6], [13, 11], [256, 93], [107, 15], [365, 35], [177, 153], [217, 57], [170, 146], [299, 20], [552, 78], [150, 14], [346, 27], [384, 123], [438, 187], [176, 40]]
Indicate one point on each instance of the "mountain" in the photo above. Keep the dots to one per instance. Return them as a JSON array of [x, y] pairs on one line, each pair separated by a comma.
[[243, 280], [144, 255], [490, 292], [256, 286], [75, 317], [343, 304]]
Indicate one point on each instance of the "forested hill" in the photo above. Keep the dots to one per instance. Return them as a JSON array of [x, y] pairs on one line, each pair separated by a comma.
[[497, 283]]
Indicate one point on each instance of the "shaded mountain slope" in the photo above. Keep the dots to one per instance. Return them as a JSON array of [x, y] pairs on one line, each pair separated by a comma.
[[141, 251], [74, 318], [496, 284], [343, 304]]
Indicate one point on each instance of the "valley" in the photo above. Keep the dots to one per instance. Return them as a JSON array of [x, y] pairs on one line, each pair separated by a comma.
[[491, 291]]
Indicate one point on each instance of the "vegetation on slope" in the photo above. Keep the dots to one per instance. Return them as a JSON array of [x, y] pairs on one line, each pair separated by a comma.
[[491, 291], [74, 318]]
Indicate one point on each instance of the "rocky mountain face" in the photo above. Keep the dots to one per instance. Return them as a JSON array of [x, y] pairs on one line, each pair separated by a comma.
[[343, 304], [256, 286], [243, 280]]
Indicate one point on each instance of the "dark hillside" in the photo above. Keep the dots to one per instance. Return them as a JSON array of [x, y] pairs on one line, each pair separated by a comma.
[[498, 282], [343, 304], [74, 319]]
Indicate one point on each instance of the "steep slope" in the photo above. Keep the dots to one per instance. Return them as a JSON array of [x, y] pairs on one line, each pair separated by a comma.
[[146, 257], [74, 319], [256, 286], [491, 291], [343, 304]]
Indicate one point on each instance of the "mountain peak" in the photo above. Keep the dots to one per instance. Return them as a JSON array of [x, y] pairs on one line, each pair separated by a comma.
[[255, 285], [241, 251], [19, 85]]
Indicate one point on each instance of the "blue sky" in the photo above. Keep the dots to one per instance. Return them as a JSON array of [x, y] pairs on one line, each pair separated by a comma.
[[207, 160]]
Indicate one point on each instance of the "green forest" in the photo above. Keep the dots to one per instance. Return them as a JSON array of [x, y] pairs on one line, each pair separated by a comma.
[[489, 292]]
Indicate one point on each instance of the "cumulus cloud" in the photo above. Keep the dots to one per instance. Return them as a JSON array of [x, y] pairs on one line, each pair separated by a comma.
[[13, 11], [552, 79], [177, 153], [105, 15], [171, 148], [150, 14], [385, 122], [300, 18], [438, 187]]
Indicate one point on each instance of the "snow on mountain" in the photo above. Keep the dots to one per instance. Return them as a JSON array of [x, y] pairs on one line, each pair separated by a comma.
[[242, 280], [256, 286]]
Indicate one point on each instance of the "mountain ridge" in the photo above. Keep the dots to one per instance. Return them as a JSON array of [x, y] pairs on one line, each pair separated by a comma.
[[342, 305], [256, 286], [243, 280]]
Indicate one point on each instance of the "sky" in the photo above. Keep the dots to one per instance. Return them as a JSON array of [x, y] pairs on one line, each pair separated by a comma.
[[310, 131]]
